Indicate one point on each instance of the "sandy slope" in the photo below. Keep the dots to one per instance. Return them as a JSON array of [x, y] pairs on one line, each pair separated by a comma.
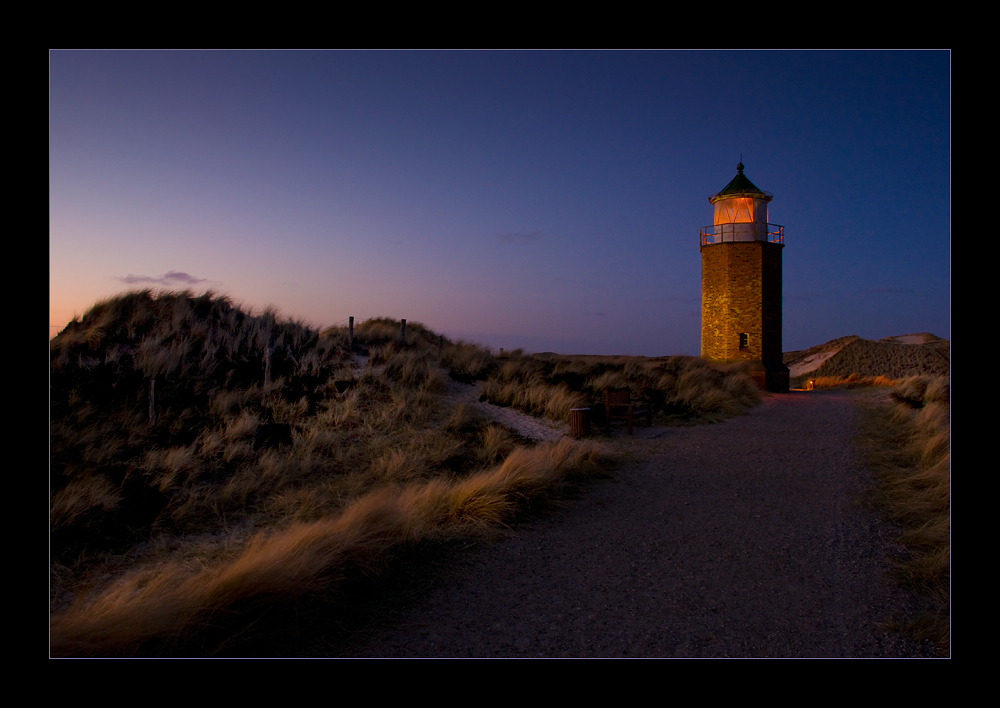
[[526, 425], [740, 539], [811, 362], [893, 357]]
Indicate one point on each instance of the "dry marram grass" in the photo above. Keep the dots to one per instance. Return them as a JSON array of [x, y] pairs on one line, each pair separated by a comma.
[[207, 462], [909, 444]]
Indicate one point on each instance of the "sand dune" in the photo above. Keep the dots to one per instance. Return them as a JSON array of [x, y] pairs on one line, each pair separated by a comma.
[[894, 357]]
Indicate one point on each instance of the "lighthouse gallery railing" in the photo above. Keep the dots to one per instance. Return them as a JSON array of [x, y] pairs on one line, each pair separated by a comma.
[[752, 231]]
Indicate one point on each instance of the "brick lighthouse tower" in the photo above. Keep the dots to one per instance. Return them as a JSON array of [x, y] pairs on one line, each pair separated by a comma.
[[741, 283]]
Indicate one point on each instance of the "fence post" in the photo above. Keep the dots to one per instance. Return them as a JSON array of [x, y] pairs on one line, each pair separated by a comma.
[[579, 422], [152, 407], [350, 334], [402, 333]]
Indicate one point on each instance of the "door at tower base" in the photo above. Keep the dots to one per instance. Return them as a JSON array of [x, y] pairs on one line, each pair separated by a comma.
[[741, 308], [773, 378]]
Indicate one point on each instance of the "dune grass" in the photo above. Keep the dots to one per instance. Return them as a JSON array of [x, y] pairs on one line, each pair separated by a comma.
[[208, 464], [678, 389], [211, 465], [174, 604], [909, 446]]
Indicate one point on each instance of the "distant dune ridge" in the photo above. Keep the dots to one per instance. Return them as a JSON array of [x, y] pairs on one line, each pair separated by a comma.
[[893, 357]]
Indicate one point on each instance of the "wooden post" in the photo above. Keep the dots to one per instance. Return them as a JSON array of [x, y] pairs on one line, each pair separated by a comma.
[[152, 407], [402, 333], [350, 334], [440, 343], [579, 422]]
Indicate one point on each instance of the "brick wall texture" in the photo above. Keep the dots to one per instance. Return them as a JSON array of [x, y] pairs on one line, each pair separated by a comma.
[[741, 294]]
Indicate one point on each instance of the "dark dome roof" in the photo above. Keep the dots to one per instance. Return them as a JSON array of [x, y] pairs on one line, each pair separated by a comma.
[[740, 186]]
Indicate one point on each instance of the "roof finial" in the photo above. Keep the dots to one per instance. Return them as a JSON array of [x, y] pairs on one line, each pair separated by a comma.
[[739, 167]]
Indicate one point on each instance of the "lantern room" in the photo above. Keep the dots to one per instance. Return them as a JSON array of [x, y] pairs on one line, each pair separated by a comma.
[[740, 214]]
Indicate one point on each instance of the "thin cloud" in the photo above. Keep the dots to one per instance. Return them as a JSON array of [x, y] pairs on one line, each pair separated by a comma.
[[890, 291], [515, 236], [675, 300], [805, 297], [169, 278]]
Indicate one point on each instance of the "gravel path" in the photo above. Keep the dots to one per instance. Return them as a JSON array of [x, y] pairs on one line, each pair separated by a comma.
[[740, 539]]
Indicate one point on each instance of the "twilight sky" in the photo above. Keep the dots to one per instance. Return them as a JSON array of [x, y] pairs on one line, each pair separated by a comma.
[[544, 200]]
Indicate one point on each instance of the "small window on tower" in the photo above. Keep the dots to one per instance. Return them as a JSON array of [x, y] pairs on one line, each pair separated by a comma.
[[744, 342]]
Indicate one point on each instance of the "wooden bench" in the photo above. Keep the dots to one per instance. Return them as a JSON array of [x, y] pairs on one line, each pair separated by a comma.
[[618, 405]]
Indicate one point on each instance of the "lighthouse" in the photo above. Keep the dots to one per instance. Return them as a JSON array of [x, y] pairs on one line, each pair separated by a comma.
[[741, 283]]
